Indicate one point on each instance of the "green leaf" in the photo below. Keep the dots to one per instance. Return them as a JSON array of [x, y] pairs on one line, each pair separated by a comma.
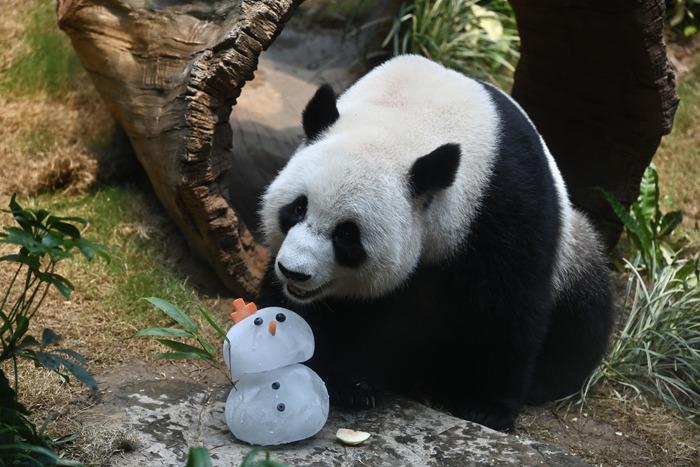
[[27, 342], [78, 371], [15, 236], [49, 337], [623, 214], [250, 459], [669, 222], [645, 231], [51, 240], [198, 457], [72, 353], [65, 439], [174, 312], [648, 199], [182, 347], [164, 332], [181, 356], [63, 227], [31, 261], [47, 360], [61, 283], [21, 329], [211, 321]]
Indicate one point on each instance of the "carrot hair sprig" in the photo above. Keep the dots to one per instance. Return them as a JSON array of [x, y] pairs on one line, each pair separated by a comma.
[[241, 310]]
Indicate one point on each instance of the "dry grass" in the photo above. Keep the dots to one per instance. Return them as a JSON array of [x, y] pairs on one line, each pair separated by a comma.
[[39, 135], [12, 26]]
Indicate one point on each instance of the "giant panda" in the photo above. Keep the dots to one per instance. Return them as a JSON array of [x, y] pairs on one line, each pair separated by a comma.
[[424, 231]]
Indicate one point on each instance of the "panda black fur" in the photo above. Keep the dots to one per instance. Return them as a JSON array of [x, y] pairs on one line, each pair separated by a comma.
[[425, 232]]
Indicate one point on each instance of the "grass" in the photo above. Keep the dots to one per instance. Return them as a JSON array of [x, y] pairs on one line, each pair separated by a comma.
[[657, 350], [478, 38], [49, 64], [124, 219]]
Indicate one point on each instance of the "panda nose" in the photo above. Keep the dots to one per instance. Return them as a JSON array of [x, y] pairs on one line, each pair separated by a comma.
[[293, 275]]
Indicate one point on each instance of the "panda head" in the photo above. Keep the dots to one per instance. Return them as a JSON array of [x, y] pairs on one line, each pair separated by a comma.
[[346, 217]]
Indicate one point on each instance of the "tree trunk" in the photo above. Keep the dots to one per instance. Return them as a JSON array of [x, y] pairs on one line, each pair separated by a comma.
[[594, 77], [170, 72]]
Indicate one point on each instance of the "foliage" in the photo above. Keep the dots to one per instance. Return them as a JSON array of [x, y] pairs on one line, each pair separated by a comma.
[[50, 63], [683, 17], [44, 240], [646, 226], [188, 329], [199, 457], [657, 351], [250, 460], [476, 37]]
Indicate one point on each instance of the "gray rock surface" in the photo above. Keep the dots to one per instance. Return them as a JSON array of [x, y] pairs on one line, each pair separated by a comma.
[[172, 408]]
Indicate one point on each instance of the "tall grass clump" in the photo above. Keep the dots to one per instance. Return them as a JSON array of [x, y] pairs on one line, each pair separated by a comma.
[[656, 349], [49, 63], [476, 37]]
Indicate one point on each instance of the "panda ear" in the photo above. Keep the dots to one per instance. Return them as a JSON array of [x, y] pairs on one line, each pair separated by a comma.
[[320, 113], [435, 171]]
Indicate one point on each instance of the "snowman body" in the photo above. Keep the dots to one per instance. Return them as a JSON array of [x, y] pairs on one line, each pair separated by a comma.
[[275, 399]]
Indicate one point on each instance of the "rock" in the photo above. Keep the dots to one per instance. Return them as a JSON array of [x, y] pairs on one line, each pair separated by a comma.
[[172, 408]]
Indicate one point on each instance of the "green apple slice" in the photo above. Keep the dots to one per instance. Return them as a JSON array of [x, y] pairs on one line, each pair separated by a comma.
[[352, 437]]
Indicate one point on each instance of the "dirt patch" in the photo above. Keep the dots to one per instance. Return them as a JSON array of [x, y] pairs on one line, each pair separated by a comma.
[[608, 432]]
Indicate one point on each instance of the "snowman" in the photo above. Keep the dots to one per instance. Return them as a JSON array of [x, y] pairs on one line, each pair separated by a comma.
[[275, 399]]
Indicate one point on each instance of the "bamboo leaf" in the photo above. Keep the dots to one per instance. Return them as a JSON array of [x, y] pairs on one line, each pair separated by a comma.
[[164, 332], [181, 356], [182, 347], [174, 312], [198, 457]]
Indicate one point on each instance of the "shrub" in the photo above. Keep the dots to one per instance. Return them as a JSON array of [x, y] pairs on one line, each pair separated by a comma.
[[648, 229], [44, 240], [656, 350], [478, 38], [683, 18]]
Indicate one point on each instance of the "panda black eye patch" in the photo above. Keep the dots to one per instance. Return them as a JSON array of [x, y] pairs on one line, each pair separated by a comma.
[[347, 245], [293, 213]]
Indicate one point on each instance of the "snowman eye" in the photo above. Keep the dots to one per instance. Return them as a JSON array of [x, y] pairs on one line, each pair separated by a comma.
[[275, 385], [280, 407], [280, 317], [257, 321]]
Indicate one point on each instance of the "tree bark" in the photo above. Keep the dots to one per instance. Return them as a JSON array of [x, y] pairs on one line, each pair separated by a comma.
[[594, 77], [170, 72]]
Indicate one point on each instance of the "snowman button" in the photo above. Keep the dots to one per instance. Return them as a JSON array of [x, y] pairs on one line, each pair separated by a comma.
[[275, 385], [280, 407]]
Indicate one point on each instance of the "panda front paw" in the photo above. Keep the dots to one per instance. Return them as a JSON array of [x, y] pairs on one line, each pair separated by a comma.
[[497, 416], [355, 394]]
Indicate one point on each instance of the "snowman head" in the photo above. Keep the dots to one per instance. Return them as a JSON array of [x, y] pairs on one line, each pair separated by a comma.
[[267, 339]]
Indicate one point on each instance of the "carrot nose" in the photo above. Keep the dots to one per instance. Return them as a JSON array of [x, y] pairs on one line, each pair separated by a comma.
[[272, 327]]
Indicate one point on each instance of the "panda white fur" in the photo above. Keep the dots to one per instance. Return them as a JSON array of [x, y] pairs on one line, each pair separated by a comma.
[[425, 232]]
